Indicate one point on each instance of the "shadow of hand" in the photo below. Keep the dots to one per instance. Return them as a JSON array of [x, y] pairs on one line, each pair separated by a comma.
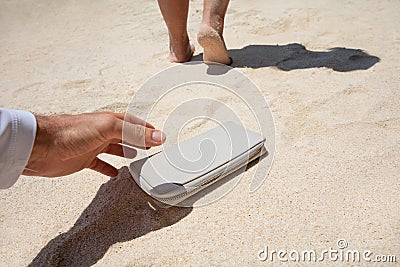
[[120, 212]]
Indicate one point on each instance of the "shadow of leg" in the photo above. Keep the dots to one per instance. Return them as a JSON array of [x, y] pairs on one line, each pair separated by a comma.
[[296, 56], [339, 59], [119, 212]]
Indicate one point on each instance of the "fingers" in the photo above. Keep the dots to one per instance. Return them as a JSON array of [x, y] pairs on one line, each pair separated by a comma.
[[103, 167], [136, 135], [121, 151], [133, 119]]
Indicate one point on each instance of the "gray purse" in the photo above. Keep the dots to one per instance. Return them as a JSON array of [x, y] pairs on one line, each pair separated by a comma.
[[182, 170]]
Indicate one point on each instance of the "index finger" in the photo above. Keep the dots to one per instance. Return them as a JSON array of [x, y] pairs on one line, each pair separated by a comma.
[[135, 134], [133, 119]]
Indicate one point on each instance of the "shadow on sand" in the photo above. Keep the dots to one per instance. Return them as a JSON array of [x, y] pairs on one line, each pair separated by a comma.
[[296, 56], [119, 212]]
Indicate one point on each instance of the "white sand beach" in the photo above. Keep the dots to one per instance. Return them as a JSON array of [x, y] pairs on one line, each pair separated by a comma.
[[336, 173]]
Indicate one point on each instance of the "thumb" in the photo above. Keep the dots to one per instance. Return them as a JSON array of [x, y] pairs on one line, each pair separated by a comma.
[[103, 167]]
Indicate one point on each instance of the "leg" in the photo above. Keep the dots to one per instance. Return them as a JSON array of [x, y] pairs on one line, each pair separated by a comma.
[[175, 13], [210, 36]]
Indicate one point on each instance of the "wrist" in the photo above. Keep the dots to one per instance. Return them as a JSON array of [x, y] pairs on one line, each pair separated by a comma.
[[42, 141]]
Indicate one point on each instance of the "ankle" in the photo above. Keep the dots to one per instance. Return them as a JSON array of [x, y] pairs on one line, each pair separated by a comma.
[[216, 22]]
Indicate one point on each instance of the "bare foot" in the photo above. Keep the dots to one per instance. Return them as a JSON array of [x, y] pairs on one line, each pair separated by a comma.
[[213, 44], [179, 53]]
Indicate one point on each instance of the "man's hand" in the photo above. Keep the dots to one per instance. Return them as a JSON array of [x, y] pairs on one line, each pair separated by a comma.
[[66, 144]]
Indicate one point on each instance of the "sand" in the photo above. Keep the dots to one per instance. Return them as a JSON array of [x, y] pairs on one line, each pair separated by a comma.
[[336, 169]]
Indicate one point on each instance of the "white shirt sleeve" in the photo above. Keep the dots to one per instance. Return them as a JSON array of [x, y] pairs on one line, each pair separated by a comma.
[[17, 135]]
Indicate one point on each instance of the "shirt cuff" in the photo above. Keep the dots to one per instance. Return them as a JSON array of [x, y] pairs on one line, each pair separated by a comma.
[[20, 143]]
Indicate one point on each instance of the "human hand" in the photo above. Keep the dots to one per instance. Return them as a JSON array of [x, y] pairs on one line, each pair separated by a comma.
[[65, 144]]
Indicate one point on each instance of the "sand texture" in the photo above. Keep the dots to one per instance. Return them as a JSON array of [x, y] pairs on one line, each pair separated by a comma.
[[330, 73]]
